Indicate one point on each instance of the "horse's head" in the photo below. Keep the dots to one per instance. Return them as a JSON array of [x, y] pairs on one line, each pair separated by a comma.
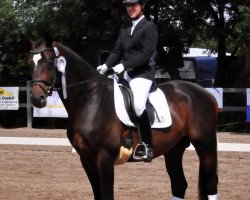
[[48, 70], [43, 73]]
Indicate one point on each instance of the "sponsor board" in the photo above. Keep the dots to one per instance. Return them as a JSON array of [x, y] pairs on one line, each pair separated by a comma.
[[9, 99], [54, 108], [218, 94]]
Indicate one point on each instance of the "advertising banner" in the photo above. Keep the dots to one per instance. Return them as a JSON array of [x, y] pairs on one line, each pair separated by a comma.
[[54, 108], [9, 99]]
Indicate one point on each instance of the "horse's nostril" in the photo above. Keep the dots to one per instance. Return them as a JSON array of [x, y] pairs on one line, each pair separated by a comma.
[[42, 97]]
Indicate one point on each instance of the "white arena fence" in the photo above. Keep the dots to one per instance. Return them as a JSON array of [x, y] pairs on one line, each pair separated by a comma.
[[9, 100], [64, 142]]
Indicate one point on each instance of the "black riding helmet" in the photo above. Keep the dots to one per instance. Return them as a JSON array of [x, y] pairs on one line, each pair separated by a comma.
[[133, 1]]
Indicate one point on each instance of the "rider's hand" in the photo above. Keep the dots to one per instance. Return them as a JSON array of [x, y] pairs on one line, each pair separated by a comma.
[[118, 68], [102, 68]]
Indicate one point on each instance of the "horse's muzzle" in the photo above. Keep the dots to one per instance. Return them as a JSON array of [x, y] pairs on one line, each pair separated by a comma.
[[39, 101], [38, 96]]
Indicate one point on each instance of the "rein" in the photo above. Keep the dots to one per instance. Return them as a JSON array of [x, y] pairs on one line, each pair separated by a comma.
[[108, 72], [80, 83]]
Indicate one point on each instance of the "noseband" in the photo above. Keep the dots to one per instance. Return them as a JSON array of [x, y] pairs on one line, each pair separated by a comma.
[[47, 90], [49, 84]]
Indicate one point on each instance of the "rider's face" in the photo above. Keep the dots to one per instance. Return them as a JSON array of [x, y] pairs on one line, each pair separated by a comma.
[[134, 10]]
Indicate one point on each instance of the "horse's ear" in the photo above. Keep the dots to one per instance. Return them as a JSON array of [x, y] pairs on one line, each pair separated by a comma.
[[32, 45], [48, 39], [55, 44]]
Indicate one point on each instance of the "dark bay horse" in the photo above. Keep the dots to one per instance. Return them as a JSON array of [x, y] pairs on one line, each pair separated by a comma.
[[97, 134]]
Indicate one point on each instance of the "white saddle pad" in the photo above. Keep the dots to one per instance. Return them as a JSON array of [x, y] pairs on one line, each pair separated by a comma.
[[156, 98]]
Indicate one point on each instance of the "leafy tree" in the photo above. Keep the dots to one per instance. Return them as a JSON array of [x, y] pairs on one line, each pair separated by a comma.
[[91, 26], [85, 26], [220, 18], [9, 38], [244, 40], [14, 17], [198, 23], [177, 25]]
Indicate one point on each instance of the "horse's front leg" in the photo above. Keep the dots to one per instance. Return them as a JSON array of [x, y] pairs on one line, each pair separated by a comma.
[[100, 171]]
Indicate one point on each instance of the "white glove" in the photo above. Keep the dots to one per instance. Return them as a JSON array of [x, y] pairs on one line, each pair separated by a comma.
[[118, 68], [102, 68]]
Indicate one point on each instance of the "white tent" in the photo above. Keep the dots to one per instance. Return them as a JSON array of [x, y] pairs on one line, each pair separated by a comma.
[[195, 52], [198, 52]]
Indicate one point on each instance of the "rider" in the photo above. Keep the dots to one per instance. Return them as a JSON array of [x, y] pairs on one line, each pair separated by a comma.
[[135, 53]]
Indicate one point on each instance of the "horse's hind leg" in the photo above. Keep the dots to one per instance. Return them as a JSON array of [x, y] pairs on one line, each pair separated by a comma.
[[173, 161], [206, 149]]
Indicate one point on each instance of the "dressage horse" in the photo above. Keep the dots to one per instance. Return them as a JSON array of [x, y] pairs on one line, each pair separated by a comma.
[[97, 134]]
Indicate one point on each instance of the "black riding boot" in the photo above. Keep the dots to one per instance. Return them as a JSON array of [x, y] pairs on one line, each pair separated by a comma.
[[146, 135]]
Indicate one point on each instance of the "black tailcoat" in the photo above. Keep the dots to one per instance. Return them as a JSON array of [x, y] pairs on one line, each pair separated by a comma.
[[137, 52]]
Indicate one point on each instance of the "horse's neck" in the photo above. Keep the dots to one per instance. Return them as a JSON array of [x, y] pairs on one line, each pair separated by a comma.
[[80, 77], [78, 70]]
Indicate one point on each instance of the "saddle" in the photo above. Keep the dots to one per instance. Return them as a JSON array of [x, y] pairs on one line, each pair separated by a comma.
[[129, 104], [156, 106], [157, 109]]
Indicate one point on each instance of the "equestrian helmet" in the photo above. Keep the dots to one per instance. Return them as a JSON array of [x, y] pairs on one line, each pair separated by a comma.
[[133, 1]]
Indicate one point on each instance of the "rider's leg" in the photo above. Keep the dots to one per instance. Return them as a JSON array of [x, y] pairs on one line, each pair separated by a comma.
[[140, 88], [146, 135]]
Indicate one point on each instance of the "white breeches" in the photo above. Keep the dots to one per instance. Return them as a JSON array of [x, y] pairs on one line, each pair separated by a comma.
[[140, 88]]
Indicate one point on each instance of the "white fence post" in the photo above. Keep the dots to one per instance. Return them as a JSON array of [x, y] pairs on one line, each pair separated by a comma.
[[248, 104], [29, 110]]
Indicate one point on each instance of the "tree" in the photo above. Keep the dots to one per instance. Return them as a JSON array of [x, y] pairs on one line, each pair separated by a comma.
[[85, 26], [13, 56], [244, 39], [220, 18], [177, 24], [207, 24], [91, 26]]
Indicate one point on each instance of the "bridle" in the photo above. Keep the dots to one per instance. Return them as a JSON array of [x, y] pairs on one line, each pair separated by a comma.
[[50, 85]]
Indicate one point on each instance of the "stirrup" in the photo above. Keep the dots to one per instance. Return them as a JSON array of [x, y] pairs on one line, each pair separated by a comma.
[[141, 152]]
